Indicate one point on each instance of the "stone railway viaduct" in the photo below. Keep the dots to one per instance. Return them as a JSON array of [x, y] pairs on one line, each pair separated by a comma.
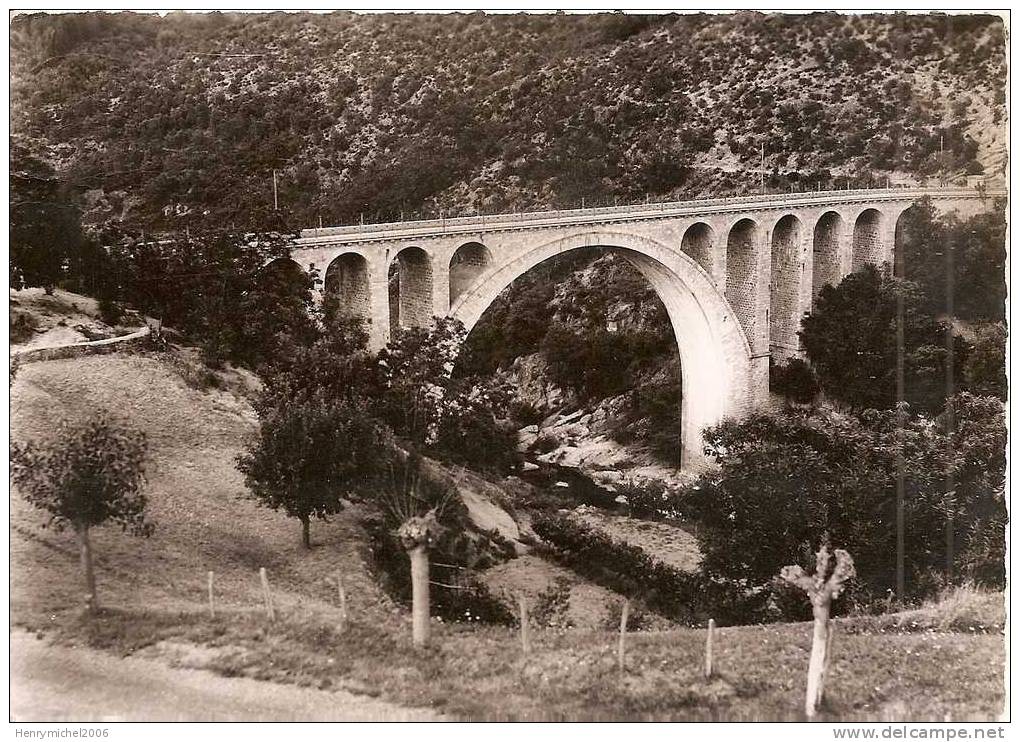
[[736, 275]]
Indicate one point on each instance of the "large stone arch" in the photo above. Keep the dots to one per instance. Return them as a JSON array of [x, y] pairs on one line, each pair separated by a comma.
[[409, 276], [715, 358], [347, 282], [869, 247], [826, 252], [469, 261], [785, 286]]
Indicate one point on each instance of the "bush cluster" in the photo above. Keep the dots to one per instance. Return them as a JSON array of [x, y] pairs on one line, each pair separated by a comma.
[[794, 380], [785, 482], [687, 597], [456, 594]]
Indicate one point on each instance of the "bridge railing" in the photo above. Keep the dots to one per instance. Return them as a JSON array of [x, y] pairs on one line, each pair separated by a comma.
[[537, 217]]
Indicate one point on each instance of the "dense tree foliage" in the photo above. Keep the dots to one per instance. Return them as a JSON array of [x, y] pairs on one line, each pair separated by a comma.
[[428, 405], [959, 265], [234, 293], [45, 223], [985, 370], [160, 118], [852, 342], [784, 482], [794, 380]]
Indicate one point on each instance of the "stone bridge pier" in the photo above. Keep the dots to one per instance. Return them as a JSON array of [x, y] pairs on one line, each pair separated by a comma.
[[736, 275]]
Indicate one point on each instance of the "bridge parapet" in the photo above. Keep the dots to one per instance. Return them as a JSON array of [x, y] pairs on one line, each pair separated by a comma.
[[631, 212]]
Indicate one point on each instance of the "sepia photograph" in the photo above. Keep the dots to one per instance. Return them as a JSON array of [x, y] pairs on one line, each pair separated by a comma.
[[508, 366]]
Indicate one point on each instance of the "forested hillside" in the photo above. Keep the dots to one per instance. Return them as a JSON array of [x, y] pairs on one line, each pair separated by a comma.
[[150, 119]]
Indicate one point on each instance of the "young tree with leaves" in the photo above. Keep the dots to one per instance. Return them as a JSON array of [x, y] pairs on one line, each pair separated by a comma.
[[312, 452], [437, 411], [87, 476]]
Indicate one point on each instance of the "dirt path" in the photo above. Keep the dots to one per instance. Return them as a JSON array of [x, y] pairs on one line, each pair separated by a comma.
[[51, 683]]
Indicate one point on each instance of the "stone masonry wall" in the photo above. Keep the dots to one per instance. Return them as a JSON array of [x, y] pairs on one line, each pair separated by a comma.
[[742, 267], [787, 267]]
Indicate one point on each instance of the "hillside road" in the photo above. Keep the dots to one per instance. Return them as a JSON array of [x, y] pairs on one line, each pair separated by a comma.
[[54, 683]]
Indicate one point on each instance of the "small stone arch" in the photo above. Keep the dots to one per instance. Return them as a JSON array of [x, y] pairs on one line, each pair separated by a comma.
[[868, 245], [347, 283], [409, 277], [903, 229], [282, 263], [699, 242], [826, 252], [470, 261], [785, 286], [277, 269], [743, 262]]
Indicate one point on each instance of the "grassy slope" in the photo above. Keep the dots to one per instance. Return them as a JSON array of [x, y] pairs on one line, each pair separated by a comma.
[[154, 593], [195, 494]]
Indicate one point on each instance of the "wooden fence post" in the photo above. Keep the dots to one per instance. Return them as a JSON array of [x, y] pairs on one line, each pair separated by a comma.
[[523, 603], [212, 607], [624, 613], [266, 594], [708, 648], [342, 598]]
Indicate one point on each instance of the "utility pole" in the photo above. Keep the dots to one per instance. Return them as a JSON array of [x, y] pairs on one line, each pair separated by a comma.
[[950, 411], [763, 168], [276, 202], [942, 159], [901, 464]]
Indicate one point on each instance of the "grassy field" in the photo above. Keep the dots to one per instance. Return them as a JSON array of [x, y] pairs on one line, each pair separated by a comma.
[[481, 673], [153, 593]]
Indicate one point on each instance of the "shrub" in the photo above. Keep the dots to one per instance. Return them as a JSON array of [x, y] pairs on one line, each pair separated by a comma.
[[628, 570], [525, 413], [552, 604], [653, 418], [23, 326], [648, 498], [545, 443], [794, 380], [786, 481], [110, 312], [638, 618], [460, 596]]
